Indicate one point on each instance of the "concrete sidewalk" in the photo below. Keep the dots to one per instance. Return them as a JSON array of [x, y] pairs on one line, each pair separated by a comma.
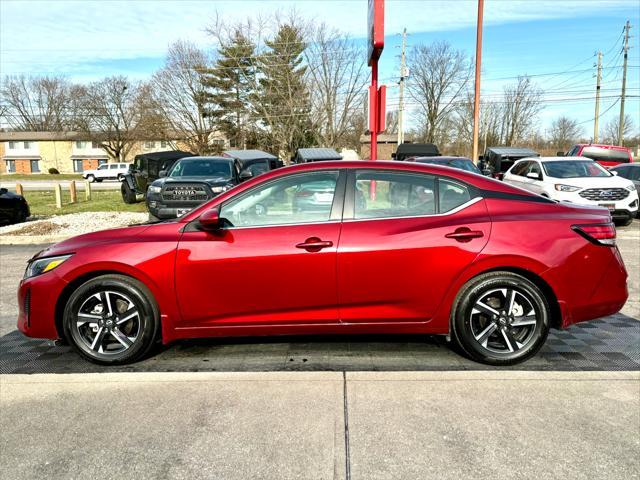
[[325, 425]]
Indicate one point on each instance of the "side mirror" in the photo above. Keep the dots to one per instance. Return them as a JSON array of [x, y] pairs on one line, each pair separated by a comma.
[[559, 154], [534, 176], [486, 172], [162, 173], [210, 220], [245, 175], [393, 155], [3, 191]]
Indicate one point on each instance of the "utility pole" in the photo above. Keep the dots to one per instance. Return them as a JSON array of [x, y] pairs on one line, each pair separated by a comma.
[[476, 98], [598, 79], [627, 27], [403, 74]]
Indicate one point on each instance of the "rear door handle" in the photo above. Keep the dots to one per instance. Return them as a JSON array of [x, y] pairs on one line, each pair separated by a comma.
[[314, 244], [465, 234]]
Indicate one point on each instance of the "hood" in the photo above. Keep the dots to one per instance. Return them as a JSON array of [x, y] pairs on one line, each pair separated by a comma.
[[213, 181], [93, 239], [594, 182]]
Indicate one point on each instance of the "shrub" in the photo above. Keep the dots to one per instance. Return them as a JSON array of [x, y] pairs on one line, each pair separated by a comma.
[[54, 171]]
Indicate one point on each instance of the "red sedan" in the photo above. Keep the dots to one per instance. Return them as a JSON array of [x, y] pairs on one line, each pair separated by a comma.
[[314, 249]]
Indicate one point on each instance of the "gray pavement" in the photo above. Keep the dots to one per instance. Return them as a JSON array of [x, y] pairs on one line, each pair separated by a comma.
[[323, 425]]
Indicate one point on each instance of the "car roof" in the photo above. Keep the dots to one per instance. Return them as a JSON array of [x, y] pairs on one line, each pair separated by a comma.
[[626, 165], [418, 148], [249, 155], [441, 159], [203, 157], [318, 154], [513, 151], [601, 145], [556, 159]]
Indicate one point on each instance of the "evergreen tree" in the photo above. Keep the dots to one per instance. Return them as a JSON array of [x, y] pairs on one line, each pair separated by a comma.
[[230, 86], [282, 101]]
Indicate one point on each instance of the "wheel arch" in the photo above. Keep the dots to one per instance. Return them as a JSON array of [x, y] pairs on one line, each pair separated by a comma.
[[85, 277], [533, 277]]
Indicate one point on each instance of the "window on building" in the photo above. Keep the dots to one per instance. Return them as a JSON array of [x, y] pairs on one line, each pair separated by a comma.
[[95, 144], [12, 145], [11, 166], [77, 166], [26, 145], [163, 143], [149, 144], [35, 166], [102, 161], [80, 144]]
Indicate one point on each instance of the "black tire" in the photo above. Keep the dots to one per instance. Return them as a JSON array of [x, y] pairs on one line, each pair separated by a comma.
[[128, 195], [120, 177], [123, 337], [91, 178], [624, 223], [21, 215], [513, 335]]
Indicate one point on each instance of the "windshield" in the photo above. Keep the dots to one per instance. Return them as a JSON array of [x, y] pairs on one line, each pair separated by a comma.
[[201, 168], [574, 169]]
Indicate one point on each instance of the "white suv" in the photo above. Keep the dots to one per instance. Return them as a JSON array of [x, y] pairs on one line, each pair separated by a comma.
[[576, 180], [107, 171]]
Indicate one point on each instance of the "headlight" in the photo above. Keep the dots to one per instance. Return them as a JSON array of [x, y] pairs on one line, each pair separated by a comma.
[[221, 189], [154, 189], [566, 188], [42, 265], [631, 187]]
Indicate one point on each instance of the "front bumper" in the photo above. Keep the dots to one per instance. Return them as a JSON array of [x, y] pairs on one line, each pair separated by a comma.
[[37, 299], [625, 208]]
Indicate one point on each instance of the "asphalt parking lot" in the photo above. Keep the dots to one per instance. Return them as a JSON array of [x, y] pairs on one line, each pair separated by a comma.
[[362, 407]]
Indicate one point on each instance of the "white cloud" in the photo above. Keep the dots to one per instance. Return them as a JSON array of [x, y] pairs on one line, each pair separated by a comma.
[[67, 36]]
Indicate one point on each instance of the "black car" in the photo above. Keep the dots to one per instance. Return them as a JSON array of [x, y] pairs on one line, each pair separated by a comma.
[[407, 150], [497, 160], [461, 163], [194, 180], [13, 208], [256, 160], [144, 170]]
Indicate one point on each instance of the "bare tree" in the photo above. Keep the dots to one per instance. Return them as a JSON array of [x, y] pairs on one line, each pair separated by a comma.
[[336, 77], [391, 122], [612, 126], [521, 105], [181, 96], [116, 113], [489, 125], [439, 75], [564, 132], [38, 103]]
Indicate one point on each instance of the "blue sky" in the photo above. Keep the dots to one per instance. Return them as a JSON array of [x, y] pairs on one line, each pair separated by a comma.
[[85, 40]]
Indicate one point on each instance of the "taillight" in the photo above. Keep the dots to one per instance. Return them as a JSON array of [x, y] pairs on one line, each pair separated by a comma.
[[600, 234]]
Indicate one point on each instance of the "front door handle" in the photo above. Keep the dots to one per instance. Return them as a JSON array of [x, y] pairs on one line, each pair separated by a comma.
[[465, 234], [314, 244]]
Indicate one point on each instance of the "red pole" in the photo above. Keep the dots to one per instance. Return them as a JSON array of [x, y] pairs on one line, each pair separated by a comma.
[[373, 114]]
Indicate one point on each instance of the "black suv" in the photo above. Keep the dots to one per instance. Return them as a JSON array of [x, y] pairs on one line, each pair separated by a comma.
[[13, 208], [497, 160], [194, 180], [145, 169]]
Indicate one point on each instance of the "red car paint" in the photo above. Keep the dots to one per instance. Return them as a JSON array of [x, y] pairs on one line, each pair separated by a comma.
[[605, 155], [391, 275]]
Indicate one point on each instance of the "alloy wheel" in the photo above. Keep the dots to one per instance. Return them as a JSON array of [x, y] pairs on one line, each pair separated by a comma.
[[504, 320], [108, 323]]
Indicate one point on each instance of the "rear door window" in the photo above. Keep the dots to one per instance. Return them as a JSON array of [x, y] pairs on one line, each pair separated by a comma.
[[451, 195], [520, 169]]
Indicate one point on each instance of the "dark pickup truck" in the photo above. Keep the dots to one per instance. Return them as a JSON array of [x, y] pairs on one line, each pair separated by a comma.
[[194, 180]]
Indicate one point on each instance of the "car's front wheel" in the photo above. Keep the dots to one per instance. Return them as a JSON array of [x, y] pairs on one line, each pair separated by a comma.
[[500, 318], [112, 320], [91, 178]]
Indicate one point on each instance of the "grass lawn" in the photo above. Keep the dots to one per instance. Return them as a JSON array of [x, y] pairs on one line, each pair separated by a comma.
[[14, 177], [44, 203]]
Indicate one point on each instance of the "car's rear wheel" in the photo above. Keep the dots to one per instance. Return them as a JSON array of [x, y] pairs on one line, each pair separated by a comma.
[[501, 318], [111, 320]]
